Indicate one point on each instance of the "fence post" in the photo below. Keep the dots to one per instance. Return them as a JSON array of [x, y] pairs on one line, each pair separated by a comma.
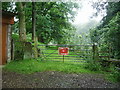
[[95, 52], [35, 47], [109, 51]]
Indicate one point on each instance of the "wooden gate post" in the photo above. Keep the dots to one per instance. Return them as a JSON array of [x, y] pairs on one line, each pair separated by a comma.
[[95, 52]]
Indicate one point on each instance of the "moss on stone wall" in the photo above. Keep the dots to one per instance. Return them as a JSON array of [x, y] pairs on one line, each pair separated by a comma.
[[22, 50]]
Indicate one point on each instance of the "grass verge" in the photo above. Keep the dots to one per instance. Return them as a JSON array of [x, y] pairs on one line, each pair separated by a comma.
[[31, 66]]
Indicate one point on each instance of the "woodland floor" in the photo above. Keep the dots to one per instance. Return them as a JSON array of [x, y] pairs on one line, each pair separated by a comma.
[[54, 79]]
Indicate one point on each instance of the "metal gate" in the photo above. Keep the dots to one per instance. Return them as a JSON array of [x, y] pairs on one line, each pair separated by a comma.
[[77, 53]]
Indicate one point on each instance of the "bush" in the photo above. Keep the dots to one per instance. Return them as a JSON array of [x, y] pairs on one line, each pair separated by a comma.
[[93, 66], [114, 73], [111, 72]]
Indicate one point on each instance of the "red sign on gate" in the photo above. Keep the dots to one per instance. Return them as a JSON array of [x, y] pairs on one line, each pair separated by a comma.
[[63, 50]]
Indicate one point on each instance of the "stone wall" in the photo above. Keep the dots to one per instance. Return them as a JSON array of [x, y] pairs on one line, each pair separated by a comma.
[[9, 38], [22, 50]]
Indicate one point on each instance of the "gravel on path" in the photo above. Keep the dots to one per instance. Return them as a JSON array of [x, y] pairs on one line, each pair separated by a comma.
[[55, 79]]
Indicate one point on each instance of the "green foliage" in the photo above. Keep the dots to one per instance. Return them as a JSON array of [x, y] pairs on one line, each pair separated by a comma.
[[112, 9], [15, 37], [8, 6], [29, 37], [15, 28], [113, 74], [108, 33], [52, 21], [93, 65], [94, 35], [114, 34]]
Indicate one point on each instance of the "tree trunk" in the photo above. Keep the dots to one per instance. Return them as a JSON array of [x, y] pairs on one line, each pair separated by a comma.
[[22, 25], [33, 21], [34, 37]]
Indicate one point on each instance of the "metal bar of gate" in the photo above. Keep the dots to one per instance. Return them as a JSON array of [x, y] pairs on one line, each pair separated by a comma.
[[63, 45], [69, 49], [69, 54], [65, 56], [66, 59]]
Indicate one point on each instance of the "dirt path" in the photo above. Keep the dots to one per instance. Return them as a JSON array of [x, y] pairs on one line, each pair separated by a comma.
[[53, 79]]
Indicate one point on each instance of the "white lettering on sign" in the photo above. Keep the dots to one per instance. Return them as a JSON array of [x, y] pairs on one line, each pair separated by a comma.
[[63, 50]]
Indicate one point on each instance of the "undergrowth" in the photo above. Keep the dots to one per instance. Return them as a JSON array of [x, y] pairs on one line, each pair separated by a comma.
[[110, 71]]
